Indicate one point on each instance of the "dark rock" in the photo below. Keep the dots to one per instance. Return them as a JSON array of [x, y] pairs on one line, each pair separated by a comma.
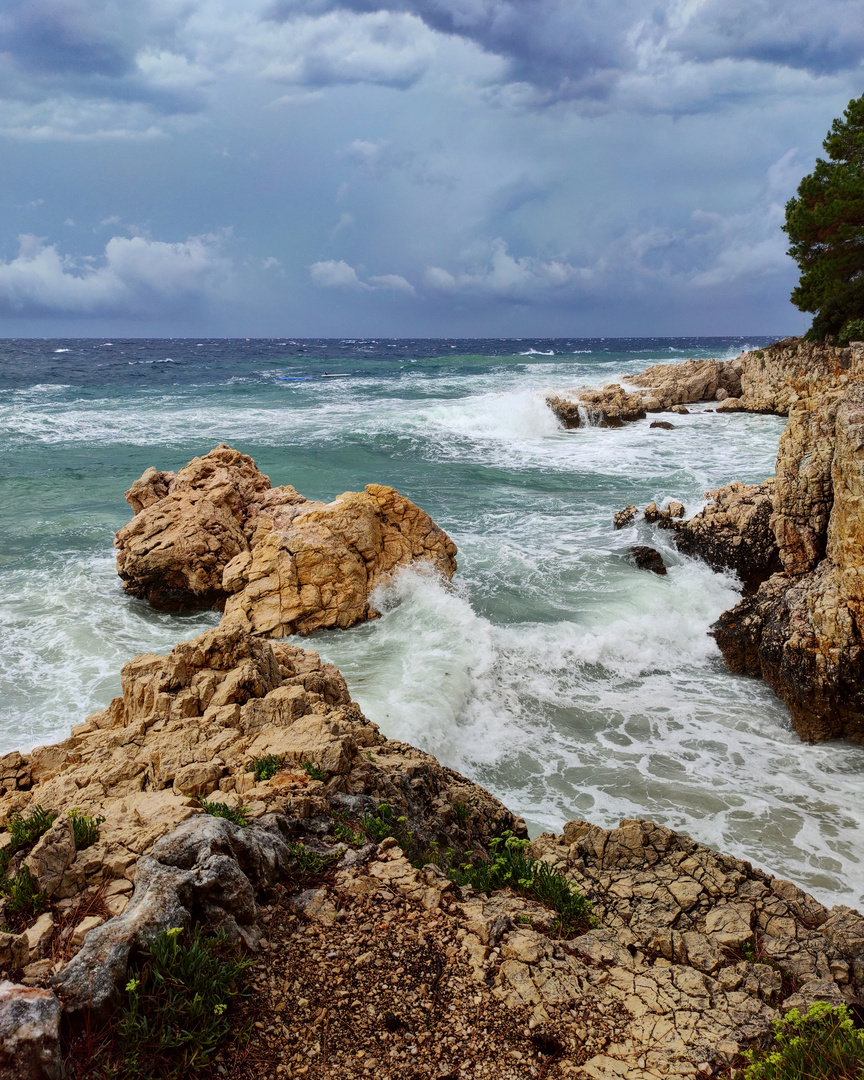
[[29, 1033], [663, 424], [734, 532], [625, 517], [646, 558]]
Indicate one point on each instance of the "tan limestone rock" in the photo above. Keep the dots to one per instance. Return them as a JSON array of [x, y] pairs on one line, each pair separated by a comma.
[[217, 531], [53, 853]]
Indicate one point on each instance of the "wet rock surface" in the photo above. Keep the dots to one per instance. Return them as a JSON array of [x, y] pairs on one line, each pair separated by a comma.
[[733, 532], [647, 558], [217, 534]]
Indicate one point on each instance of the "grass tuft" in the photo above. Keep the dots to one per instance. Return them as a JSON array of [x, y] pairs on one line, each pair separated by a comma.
[[85, 827], [239, 815], [264, 768]]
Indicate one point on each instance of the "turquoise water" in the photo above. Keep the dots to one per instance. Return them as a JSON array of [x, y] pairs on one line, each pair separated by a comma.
[[567, 682]]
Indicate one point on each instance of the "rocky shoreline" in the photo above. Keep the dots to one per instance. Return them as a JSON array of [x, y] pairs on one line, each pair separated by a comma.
[[380, 963]]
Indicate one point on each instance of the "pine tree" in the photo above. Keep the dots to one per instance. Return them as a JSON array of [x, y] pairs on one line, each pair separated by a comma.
[[825, 223]]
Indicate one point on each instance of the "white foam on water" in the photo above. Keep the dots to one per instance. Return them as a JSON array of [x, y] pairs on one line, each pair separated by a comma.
[[628, 714], [67, 629]]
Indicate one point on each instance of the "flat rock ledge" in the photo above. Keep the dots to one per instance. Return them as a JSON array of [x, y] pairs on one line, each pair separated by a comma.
[[216, 534], [388, 969], [769, 380]]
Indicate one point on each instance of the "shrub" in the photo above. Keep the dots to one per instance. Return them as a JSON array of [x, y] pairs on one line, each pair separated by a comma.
[[315, 772], [264, 768], [85, 827], [821, 1045], [27, 830], [178, 995], [239, 814], [512, 868], [23, 895], [852, 331]]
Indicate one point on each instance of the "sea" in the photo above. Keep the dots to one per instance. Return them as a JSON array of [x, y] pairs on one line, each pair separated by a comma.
[[553, 672]]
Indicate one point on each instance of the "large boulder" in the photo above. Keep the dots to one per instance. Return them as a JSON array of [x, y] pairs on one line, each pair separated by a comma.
[[217, 530]]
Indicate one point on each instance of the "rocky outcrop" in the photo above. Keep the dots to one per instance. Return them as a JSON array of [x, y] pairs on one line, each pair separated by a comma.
[[647, 558], [802, 631], [217, 534], [733, 532], [692, 956], [29, 1033], [770, 380]]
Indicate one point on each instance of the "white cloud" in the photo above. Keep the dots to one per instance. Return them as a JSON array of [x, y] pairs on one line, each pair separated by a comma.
[[499, 274], [135, 276], [337, 274], [393, 282]]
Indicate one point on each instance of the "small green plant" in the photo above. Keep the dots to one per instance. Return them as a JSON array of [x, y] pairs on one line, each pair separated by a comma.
[[344, 831], [748, 951], [178, 995], [758, 353], [511, 867], [85, 827], [238, 814], [821, 1045], [22, 892], [461, 811], [264, 768], [309, 864], [27, 830], [313, 771], [852, 331]]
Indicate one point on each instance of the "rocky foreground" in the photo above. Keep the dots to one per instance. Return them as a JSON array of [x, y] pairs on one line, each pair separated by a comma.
[[380, 967], [797, 540]]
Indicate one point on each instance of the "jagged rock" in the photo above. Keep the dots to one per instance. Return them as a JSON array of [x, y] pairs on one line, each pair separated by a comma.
[[734, 532], [53, 854], [29, 1034], [218, 530], [693, 380], [664, 424], [320, 569], [39, 934], [804, 492], [802, 631], [654, 515], [647, 558], [205, 864], [770, 380], [205, 711], [625, 517]]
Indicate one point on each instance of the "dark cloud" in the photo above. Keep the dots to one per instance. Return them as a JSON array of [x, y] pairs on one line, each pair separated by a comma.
[[821, 38], [580, 49]]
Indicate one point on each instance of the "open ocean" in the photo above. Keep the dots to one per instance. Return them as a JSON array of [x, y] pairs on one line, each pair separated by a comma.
[[564, 680]]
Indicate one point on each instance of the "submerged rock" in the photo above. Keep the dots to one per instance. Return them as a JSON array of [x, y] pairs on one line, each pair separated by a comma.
[[647, 558], [217, 534]]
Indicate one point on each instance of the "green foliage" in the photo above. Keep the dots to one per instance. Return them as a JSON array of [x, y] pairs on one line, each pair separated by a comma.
[[23, 895], [27, 830], [85, 827], [309, 864], [265, 768], [825, 224], [852, 331], [461, 811], [821, 1045], [239, 814], [315, 772], [344, 831], [511, 867], [175, 1013]]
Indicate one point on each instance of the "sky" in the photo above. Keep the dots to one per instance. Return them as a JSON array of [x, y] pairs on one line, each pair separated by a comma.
[[399, 168]]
